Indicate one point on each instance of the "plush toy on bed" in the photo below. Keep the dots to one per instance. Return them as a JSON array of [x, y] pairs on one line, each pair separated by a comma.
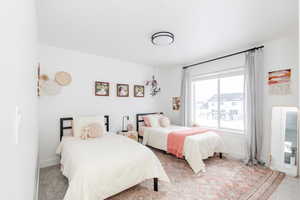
[[91, 131], [196, 125]]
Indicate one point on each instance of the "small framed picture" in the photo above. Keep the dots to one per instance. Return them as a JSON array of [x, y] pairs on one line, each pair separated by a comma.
[[176, 103], [139, 91], [101, 88], [122, 90]]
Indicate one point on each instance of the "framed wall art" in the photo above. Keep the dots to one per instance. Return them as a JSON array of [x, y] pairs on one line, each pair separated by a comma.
[[139, 91], [279, 82], [122, 90], [176, 103], [101, 88]]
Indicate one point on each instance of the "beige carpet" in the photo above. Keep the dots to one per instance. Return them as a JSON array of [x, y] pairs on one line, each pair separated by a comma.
[[224, 179]]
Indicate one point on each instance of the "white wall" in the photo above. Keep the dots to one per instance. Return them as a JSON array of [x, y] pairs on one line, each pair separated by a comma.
[[279, 54], [18, 80], [79, 99]]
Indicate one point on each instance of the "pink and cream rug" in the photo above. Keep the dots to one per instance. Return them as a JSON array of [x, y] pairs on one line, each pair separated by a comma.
[[224, 179]]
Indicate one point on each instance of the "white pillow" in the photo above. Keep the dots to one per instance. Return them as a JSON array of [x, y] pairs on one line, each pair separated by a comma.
[[79, 122], [154, 120], [164, 122]]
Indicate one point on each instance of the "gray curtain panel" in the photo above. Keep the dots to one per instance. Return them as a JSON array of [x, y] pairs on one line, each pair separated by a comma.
[[183, 98], [254, 106]]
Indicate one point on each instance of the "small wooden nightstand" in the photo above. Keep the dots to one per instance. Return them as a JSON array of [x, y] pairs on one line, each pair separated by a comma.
[[130, 134]]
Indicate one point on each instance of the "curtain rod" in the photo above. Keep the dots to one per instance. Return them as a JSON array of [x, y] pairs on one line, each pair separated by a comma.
[[226, 56]]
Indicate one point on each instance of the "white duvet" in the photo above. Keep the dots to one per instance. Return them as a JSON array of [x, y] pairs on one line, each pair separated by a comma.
[[102, 167], [196, 147]]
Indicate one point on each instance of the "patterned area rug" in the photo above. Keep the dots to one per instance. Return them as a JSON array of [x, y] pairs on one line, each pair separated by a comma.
[[224, 179]]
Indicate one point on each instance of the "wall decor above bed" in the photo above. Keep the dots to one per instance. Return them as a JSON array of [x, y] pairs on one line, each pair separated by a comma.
[[101, 88], [122, 90], [155, 89], [139, 91]]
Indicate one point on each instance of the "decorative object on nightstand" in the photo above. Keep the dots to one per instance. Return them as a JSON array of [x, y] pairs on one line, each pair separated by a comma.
[[130, 134], [130, 127], [125, 123]]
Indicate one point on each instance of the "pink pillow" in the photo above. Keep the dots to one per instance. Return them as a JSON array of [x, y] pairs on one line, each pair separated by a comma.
[[91, 131], [147, 121], [164, 122]]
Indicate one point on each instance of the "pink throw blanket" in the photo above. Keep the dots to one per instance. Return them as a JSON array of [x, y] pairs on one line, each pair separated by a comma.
[[176, 139]]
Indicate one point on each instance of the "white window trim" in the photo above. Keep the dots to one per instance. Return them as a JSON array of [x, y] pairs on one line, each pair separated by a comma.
[[216, 75]]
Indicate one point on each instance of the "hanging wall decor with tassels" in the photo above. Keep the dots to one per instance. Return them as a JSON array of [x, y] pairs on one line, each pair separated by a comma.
[[155, 89]]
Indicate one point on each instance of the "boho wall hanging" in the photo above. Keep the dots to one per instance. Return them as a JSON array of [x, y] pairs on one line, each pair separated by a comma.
[[48, 87], [153, 86], [101, 88], [63, 78], [279, 82]]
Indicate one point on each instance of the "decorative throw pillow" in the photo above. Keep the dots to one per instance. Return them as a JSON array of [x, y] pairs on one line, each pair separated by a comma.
[[81, 122], [154, 121], [146, 121], [164, 122], [196, 125], [91, 131]]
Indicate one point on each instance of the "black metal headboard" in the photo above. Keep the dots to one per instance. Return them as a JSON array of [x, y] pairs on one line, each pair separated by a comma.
[[140, 120], [62, 127]]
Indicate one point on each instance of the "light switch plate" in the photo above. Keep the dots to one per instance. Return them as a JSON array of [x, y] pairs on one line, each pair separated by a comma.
[[18, 120]]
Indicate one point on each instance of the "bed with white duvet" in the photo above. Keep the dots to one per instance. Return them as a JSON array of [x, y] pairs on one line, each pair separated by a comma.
[[98, 168], [196, 147]]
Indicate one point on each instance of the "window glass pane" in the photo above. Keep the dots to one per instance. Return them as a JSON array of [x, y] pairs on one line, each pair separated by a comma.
[[231, 102], [205, 106]]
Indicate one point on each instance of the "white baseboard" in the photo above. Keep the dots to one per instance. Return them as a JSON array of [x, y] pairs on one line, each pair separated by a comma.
[[49, 162]]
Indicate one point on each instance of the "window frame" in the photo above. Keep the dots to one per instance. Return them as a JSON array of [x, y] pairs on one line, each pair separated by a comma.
[[222, 74]]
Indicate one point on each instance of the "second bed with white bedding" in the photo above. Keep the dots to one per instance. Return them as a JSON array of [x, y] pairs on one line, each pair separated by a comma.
[[102, 167], [196, 147]]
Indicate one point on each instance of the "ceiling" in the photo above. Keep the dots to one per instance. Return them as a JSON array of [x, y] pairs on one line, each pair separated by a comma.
[[122, 28]]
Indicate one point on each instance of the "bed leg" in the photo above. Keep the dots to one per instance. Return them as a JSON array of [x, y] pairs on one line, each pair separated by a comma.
[[155, 181], [221, 155]]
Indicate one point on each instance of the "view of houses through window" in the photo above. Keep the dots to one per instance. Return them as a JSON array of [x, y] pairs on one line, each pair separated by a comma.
[[219, 102]]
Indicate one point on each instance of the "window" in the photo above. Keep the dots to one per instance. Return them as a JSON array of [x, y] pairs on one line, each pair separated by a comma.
[[218, 101]]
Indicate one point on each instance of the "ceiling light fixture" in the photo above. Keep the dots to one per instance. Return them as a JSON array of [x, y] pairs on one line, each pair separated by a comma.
[[162, 38]]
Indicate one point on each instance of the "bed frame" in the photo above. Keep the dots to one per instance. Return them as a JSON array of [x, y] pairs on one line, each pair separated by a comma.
[[70, 119], [139, 120]]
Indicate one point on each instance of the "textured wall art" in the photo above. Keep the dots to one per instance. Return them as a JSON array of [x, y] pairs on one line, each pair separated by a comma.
[[279, 82], [63, 78]]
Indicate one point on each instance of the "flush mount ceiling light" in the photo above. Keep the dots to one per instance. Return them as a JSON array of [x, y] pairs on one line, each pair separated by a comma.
[[162, 38]]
